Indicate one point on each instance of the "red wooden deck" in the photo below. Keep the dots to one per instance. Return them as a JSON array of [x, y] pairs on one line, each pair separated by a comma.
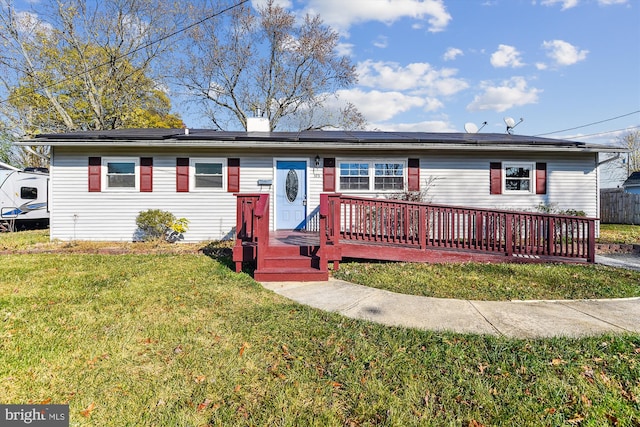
[[380, 229]]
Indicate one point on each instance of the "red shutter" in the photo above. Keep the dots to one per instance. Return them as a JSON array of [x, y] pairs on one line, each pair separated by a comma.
[[541, 178], [495, 178], [233, 175], [146, 174], [95, 174], [182, 174], [413, 178], [329, 175]]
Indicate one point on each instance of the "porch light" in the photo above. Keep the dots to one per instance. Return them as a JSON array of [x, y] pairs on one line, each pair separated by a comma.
[[317, 161]]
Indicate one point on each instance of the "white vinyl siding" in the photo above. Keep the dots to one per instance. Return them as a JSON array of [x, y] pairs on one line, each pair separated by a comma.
[[463, 180], [110, 215], [455, 178]]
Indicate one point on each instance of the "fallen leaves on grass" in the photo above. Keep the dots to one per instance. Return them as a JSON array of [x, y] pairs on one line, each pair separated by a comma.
[[88, 410], [242, 349], [577, 419], [204, 405]]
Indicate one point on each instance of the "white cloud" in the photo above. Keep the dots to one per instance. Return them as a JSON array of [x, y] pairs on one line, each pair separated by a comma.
[[564, 53], [566, 4], [377, 105], [424, 126], [344, 49], [506, 56], [417, 77], [510, 93], [381, 42], [452, 53], [285, 4], [342, 14]]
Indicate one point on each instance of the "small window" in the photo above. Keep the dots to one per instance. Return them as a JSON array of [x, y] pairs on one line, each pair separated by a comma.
[[28, 193], [354, 176], [208, 174], [518, 177], [389, 176], [121, 173]]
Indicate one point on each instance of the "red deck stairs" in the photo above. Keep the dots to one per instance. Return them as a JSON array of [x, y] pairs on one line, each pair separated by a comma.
[[290, 262], [277, 256]]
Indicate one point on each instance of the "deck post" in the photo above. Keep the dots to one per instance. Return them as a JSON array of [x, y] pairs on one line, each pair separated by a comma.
[[591, 250], [246, 229], [479, 230], [422, 227], [322, 229], [551, 235], [508, 234], [334, 211], [405, 220], [262, 228]]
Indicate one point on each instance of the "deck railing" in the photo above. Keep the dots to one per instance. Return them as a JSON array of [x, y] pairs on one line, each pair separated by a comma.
[[252, 228], [420, 225]]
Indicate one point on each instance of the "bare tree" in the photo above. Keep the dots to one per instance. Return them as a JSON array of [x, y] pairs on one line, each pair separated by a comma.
[[80, 64], [631, 141], [266, 62]]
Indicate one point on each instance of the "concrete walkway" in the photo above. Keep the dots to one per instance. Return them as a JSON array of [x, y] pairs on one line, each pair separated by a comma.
[[518, 319]]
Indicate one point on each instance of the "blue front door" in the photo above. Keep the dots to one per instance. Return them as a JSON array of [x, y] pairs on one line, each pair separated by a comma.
[[291, 195]]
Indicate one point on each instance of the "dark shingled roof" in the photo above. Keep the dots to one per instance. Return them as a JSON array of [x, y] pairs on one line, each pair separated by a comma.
[[311, 136], [318, 139], [633, 180]]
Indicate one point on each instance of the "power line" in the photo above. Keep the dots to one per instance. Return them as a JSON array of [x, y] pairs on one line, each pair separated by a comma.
[[610, 131], [124, 55], [590, 124]]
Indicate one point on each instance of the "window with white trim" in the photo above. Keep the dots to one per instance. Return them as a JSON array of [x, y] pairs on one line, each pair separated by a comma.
[[388, 176], [120, 173], [207, 174], [372, 176], [519, 178], [354, 176]]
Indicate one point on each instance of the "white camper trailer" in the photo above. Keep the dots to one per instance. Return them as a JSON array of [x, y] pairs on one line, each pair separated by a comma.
[[24, 198]]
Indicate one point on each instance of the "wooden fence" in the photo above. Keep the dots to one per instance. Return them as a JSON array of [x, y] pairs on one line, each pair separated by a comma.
[[619, 207]]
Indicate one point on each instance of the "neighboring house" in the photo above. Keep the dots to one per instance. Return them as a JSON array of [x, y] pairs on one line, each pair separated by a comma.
[[632, 184], [101, 180]]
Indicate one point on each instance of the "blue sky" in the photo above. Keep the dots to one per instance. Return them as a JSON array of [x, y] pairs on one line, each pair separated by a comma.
[[435, 65]]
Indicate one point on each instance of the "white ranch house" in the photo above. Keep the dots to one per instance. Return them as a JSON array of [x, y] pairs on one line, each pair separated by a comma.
[[101, 180]]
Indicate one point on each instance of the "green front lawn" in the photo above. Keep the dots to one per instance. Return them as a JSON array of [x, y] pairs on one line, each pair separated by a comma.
[[619, 233], [166, 340], [496, 282], [177, 338], [477, 281]]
